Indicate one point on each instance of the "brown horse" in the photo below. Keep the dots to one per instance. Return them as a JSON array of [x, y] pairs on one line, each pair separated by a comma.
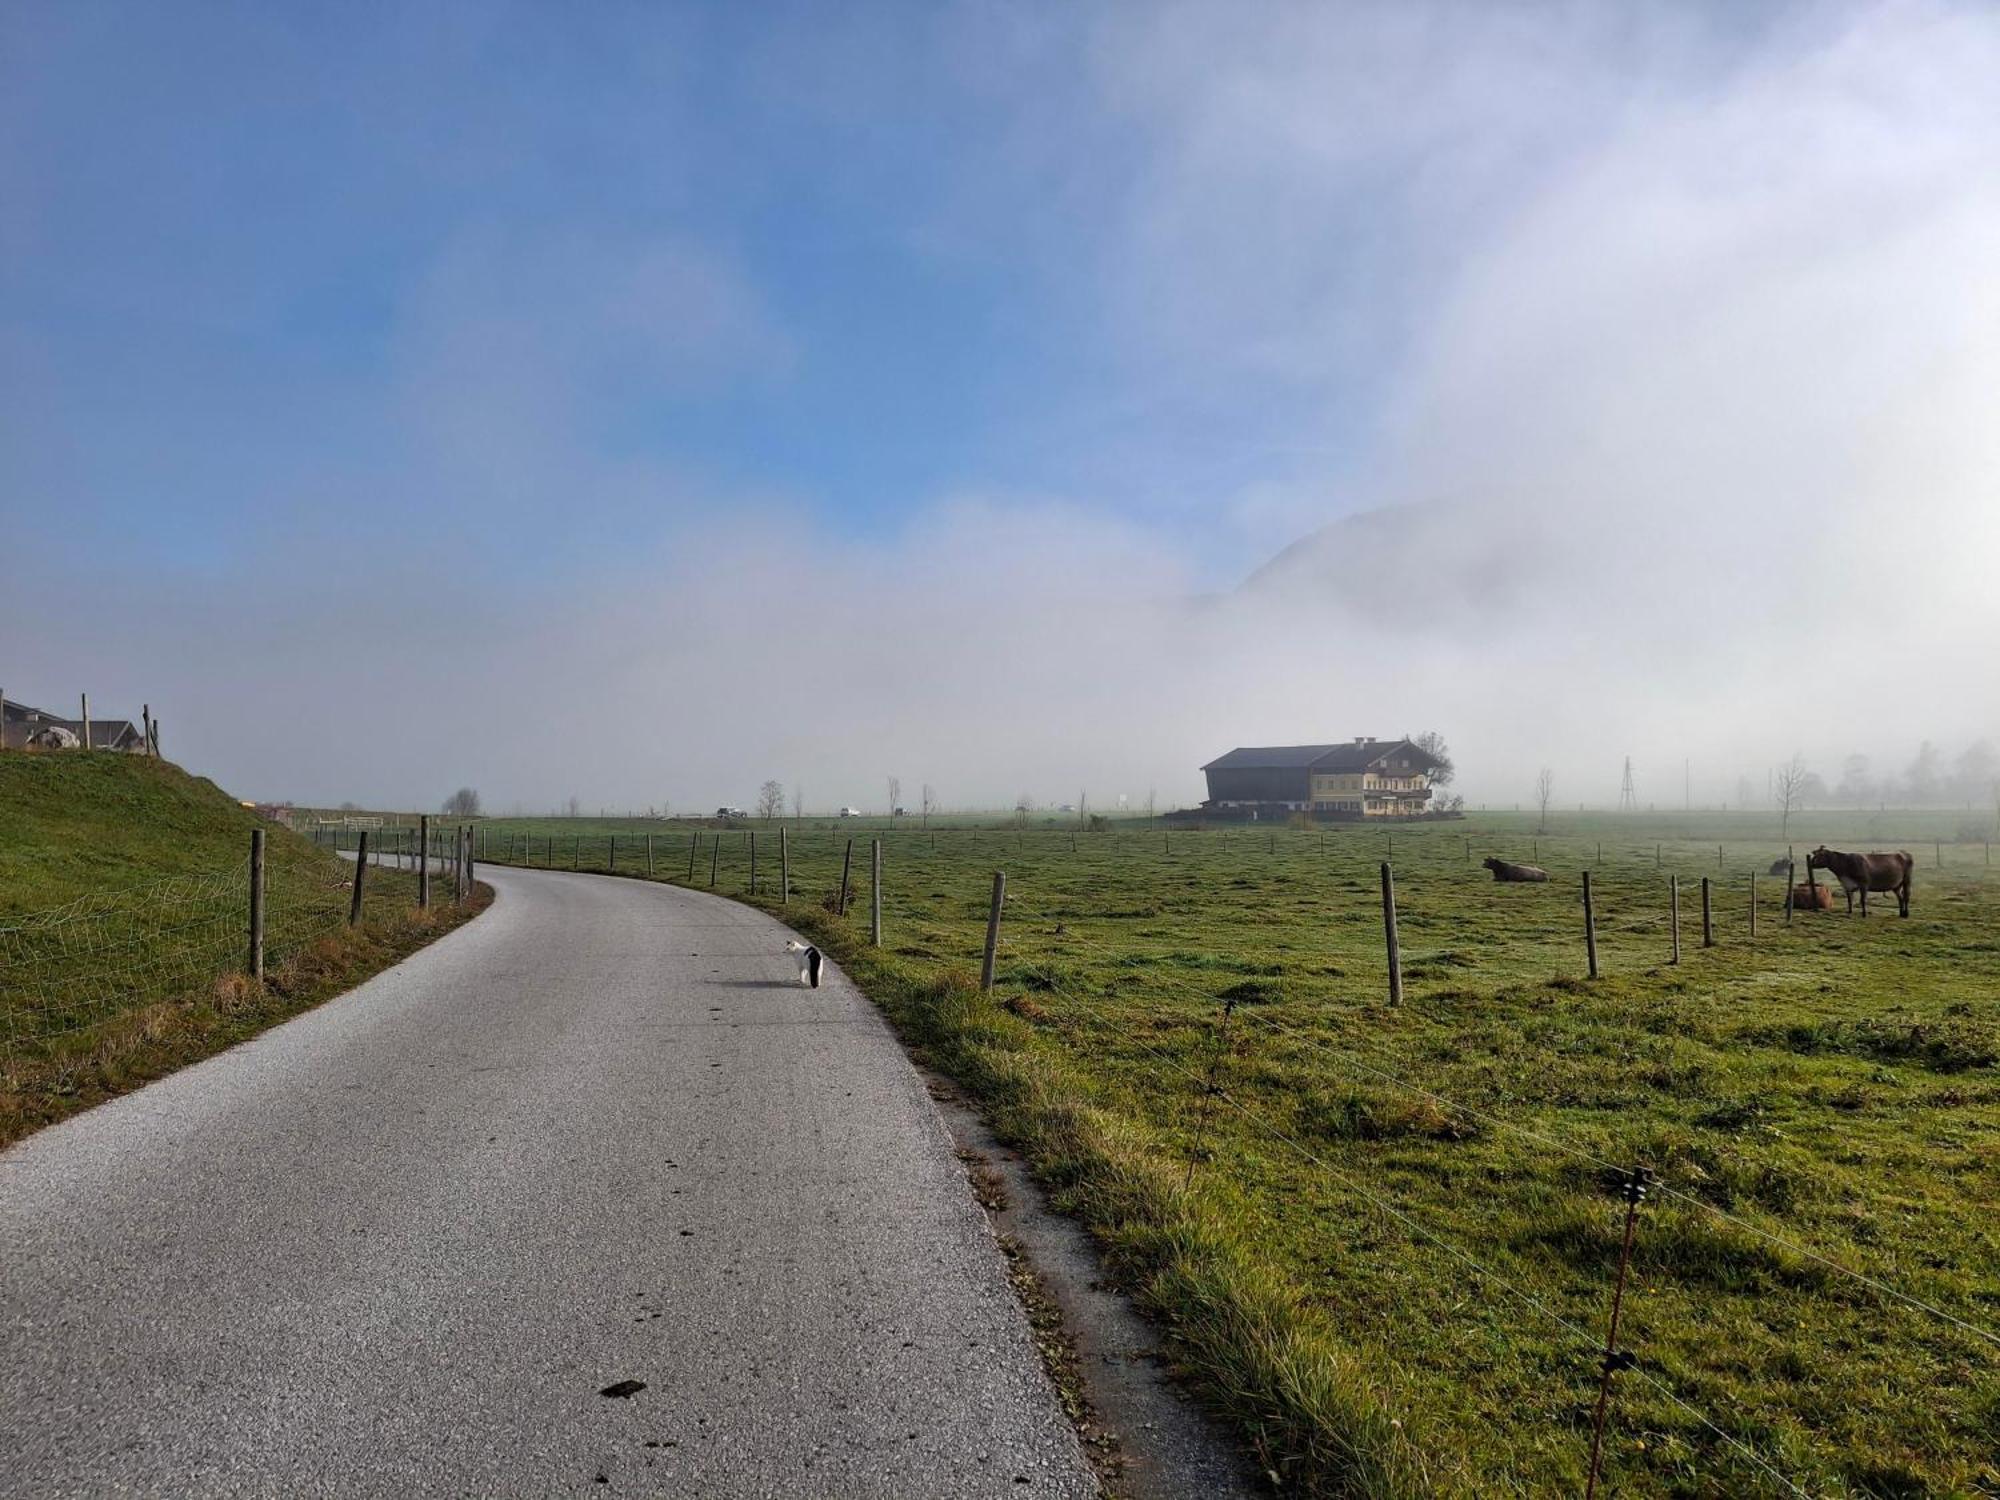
[[1865, 873]]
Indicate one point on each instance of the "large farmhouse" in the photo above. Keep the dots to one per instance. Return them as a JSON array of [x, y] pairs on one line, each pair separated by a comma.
[[1363, 778]]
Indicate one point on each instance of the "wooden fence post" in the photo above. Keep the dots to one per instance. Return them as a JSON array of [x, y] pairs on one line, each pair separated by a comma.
[[613, 857], [649, 856], [145, 721], [86, 745], [1589, 925], [992, 930], [423, 859], [784, 866], [1753, 903], [257, 903], [1674, 909], [1791, 876], [875, 895], [1389, 935], [1707, 917], [846, 864]]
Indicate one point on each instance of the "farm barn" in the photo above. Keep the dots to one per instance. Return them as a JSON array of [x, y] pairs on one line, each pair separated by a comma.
[[20, 724], [1362, 778]]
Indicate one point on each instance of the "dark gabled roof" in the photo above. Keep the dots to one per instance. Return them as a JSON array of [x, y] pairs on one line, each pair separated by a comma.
[[1270, 758], [1350, 756]]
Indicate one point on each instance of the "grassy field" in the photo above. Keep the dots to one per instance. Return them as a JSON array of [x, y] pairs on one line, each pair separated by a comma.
[[1394, 1262], [124, 887]]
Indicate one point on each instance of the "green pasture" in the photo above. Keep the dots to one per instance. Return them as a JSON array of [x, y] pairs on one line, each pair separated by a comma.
[[1392, 1259]]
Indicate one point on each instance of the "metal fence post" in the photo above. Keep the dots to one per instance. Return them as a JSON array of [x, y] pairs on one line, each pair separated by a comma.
[[1589, 925], [784, 867], [875, 896], [423, 859], [993, 930], [360, 874], [846, 865], [1674, 910], [1707, 916], [256, 903], [1389, 935]]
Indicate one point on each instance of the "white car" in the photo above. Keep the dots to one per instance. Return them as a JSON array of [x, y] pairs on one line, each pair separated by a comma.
[[850, 812]]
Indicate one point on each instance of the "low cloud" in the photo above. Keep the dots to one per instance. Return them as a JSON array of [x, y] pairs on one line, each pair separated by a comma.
[[1662, 356]]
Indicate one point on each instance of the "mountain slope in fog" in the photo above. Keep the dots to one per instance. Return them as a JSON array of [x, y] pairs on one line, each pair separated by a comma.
[[1437, 561]]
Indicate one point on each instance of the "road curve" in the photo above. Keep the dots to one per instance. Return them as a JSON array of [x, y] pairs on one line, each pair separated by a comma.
[[400, 1244]]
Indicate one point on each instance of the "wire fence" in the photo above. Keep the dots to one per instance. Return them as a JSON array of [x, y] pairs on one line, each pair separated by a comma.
[[67, 970], [1167, 1025]]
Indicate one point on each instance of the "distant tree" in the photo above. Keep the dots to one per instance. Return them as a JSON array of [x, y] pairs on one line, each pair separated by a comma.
[[575, 807], [1545, 790], [1973, 772], [1925, 778], [463, 803], [770, 800], [895, 795], [1432, 744], [1023, 806], [349, 807], [1856, 787], [1152, 800], [798, 804], [1790, 789], [928, 802]]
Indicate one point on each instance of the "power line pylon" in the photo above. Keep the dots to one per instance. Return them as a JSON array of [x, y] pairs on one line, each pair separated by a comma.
[[1628, 800]]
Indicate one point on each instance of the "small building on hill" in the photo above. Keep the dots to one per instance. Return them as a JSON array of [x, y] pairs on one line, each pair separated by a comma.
[[1360, 778], [20, 724]]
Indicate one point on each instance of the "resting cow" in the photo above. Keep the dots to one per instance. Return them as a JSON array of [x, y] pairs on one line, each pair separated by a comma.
[[1504, 871], [1865, 873]]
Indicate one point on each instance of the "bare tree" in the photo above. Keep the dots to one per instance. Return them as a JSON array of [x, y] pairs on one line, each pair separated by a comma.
[[929, 802], [1023, 805], [1789, 789], [463, 803], [576, 807], [1545, 790], [798, 804], [895, 796], [1152, 800], [770, 800], [1432, 744]]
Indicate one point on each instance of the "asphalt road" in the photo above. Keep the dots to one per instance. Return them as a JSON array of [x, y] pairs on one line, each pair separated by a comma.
[[399, 1245]]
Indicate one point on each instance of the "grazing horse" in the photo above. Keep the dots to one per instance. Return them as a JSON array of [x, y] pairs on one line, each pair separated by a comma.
[[1865, 873], [1506, 872]]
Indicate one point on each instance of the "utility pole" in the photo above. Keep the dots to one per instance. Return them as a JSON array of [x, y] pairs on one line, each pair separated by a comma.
[[1628, 799]]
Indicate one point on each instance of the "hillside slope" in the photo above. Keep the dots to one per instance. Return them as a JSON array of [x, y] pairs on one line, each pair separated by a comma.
[[124, 927], [76, 825]]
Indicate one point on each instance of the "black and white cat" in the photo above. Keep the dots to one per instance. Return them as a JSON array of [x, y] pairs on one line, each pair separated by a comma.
[[809, 962]]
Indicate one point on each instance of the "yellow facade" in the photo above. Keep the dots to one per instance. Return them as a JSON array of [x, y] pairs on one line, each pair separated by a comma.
[[1367, 793]]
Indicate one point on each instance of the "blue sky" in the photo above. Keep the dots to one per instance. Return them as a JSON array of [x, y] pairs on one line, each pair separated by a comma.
[[944, 366], [258, 249]]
